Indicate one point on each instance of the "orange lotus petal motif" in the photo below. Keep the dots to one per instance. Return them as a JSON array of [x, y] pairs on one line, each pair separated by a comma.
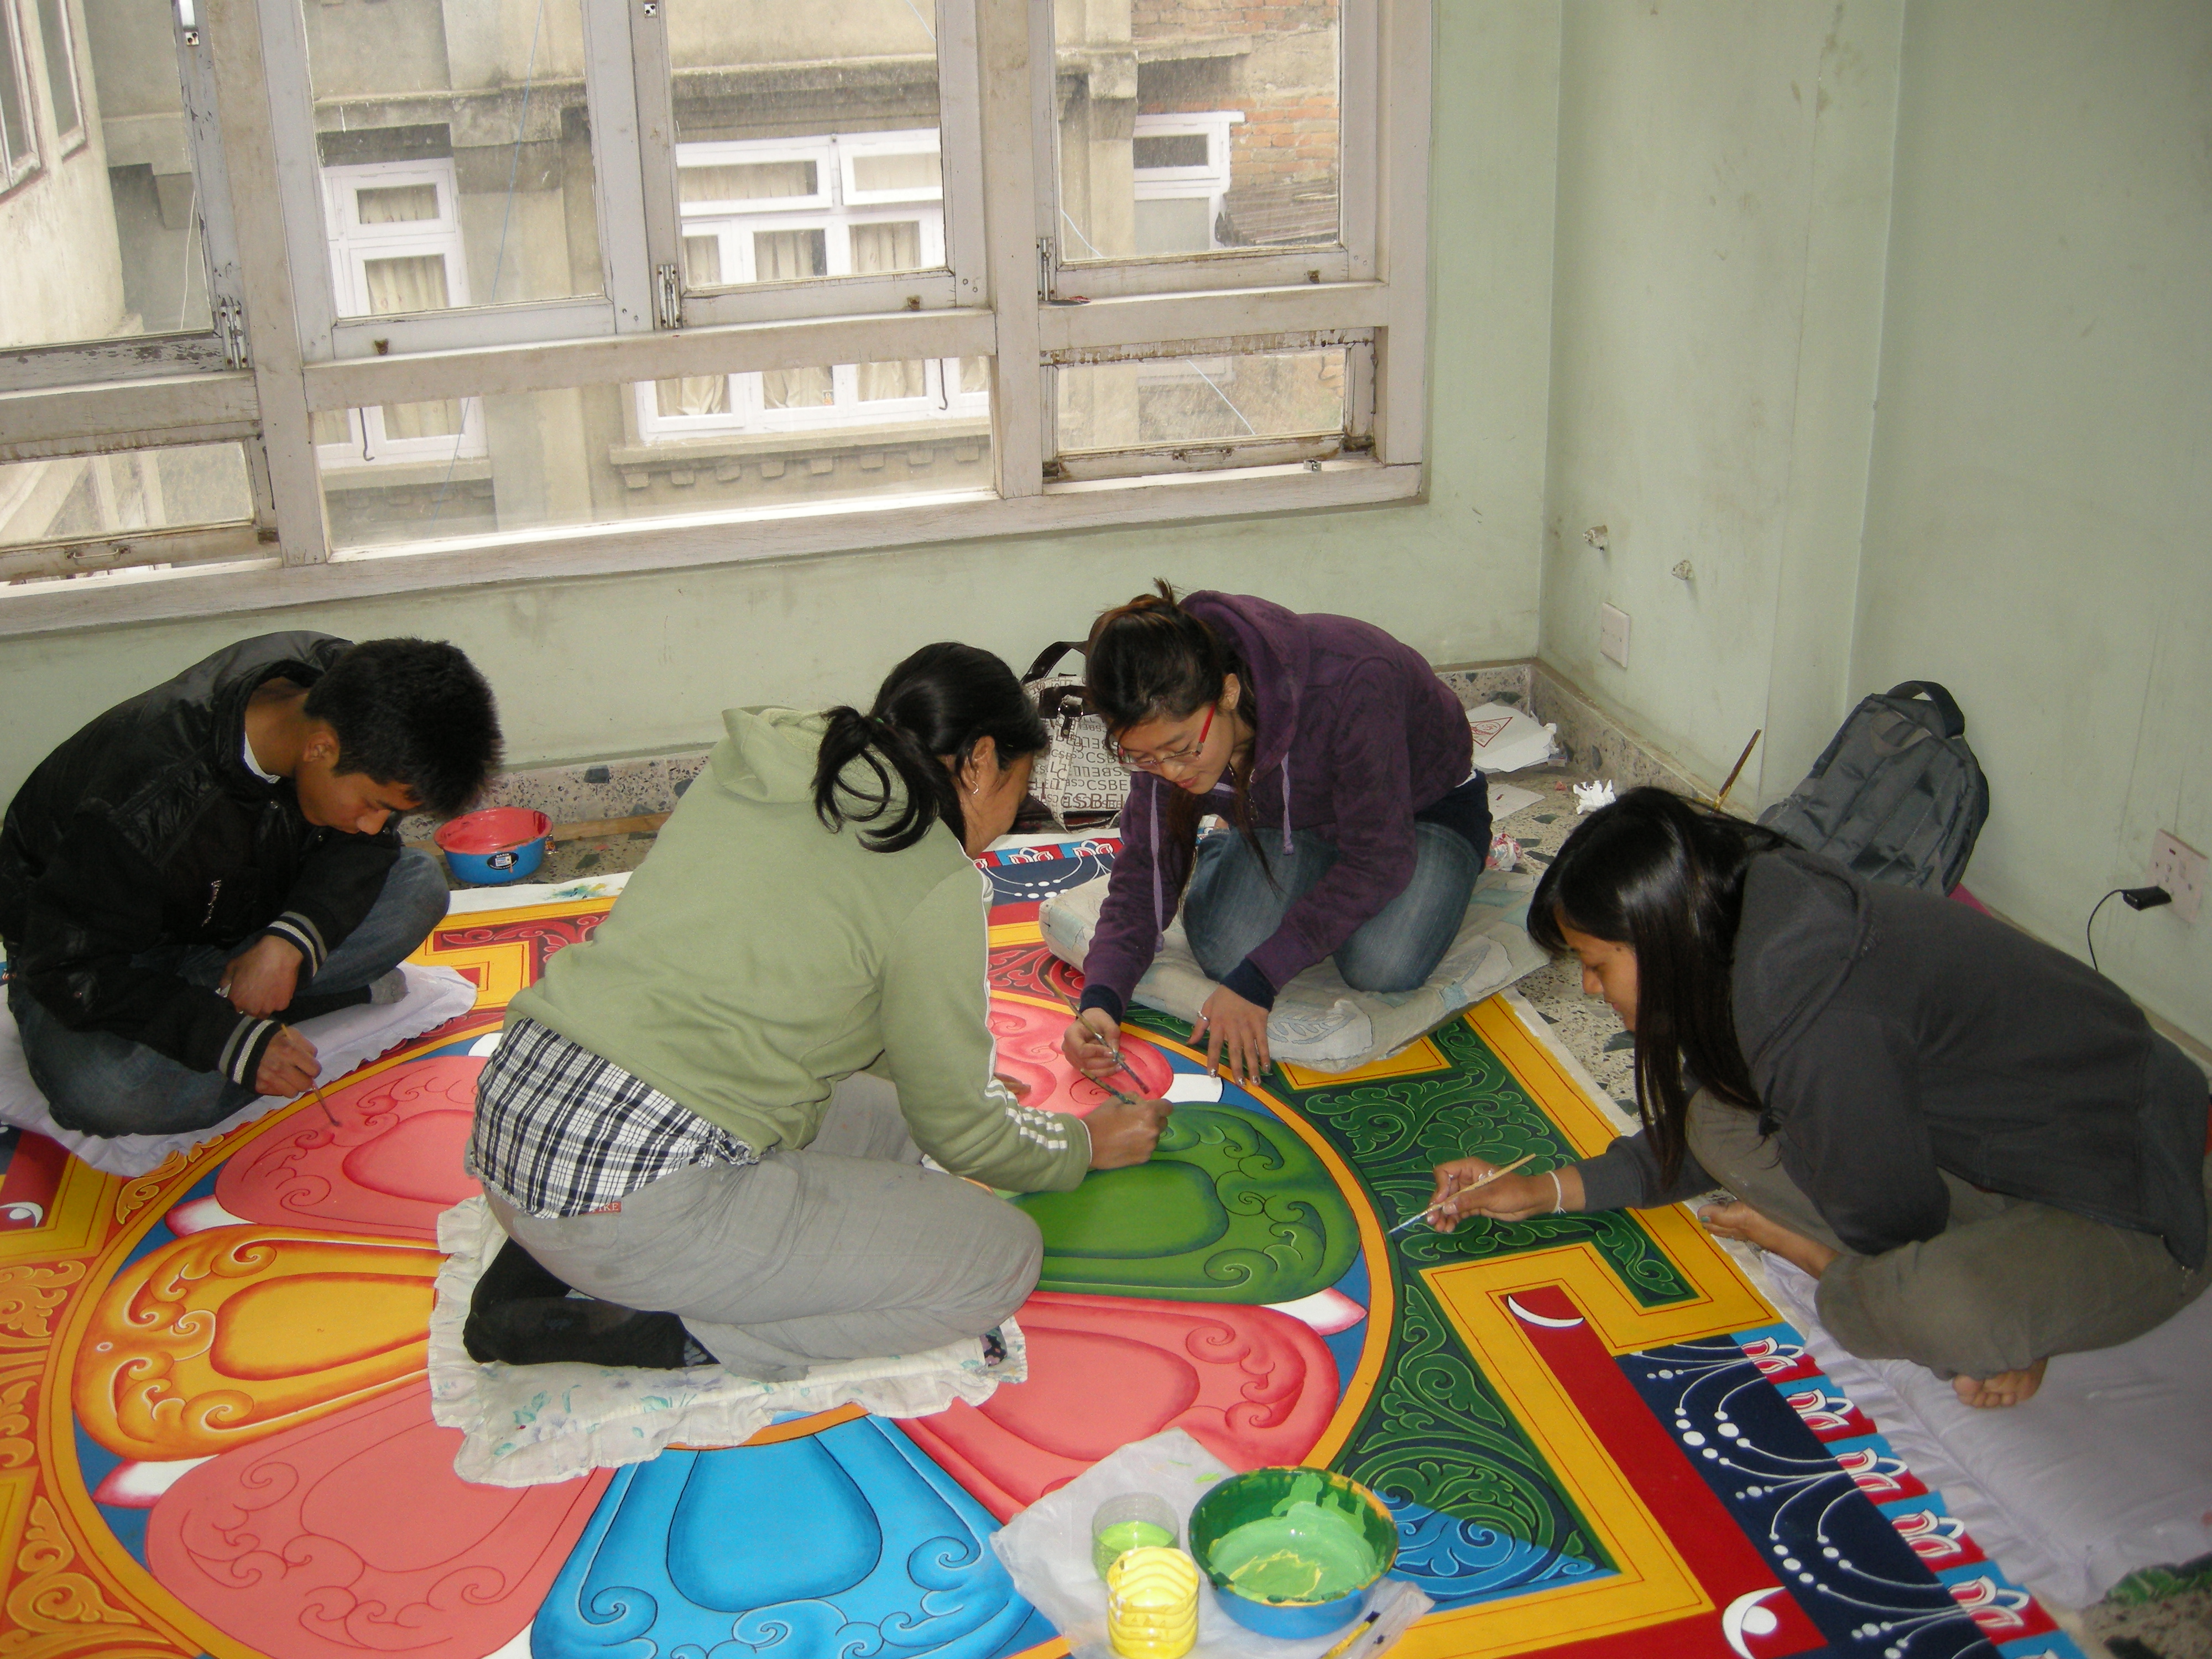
[[353, 1535], [227, 1336], [388, 1165]]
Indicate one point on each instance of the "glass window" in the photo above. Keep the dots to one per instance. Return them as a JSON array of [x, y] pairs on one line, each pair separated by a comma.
[[794, 399], [1188, 127], [822, 114], [1165, 402], [762, 213], [456, 153], [59, 44], [85, 497], [18, 143], [106, 239], [704, 446]]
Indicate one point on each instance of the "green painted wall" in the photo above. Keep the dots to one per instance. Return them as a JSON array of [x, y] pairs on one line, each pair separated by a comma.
[[2036, 528], [637, 663], [1723, 180]]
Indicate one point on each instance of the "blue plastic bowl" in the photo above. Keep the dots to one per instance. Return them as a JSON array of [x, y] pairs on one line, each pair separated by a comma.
[[1247, 1497], [493, 847]]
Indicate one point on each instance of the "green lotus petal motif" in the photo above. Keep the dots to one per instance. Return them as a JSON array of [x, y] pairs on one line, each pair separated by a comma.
[[1233, 1208]]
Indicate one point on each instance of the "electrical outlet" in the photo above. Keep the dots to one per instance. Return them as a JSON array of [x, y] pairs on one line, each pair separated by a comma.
[[2178, 868], [1613, 633]]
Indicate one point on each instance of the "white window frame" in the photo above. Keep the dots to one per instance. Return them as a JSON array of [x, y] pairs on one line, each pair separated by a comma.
[[352, 245], [279, 354], [15, 64], [71, 139]]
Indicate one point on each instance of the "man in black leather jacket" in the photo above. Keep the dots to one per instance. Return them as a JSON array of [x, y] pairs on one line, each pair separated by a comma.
[[219, 857]]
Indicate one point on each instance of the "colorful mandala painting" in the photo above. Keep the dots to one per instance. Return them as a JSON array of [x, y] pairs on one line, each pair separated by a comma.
[[215, 1435]]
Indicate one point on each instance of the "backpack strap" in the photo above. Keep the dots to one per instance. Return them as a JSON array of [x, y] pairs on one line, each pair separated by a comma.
[[1946, 707], [1050, 656]]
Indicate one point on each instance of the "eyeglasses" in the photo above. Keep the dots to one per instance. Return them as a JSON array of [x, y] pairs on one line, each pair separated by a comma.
[[1173, 760]]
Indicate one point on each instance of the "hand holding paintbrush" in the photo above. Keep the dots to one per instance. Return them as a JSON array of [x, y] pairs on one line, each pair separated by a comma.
[[1437, 1203], [1475, 1187]]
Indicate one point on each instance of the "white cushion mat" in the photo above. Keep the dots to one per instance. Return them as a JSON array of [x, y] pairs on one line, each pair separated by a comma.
[[1318, 1021], [2107, 1470], [523, 1425], [343, 1041]]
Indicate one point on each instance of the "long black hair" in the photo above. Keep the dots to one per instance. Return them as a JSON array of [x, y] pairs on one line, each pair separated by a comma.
[[1665, 877], [936, 706], [1151, 659]]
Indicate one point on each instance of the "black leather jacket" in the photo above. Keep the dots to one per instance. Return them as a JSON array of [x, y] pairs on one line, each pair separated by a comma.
[[148, 829]]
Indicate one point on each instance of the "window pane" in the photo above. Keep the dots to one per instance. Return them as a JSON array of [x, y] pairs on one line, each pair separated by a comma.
[[433, 420], [902, 173], [103, 239], [822, 108], [416, 282], [61, 73], [135, 490], [1188, 127], [789, 256], [745, 181], [1168, 401], [887, 247], [453, 137], [18, 147], [396, 204], [699, 445]]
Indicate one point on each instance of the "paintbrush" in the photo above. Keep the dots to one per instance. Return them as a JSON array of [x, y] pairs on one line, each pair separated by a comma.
[[1352, 1636], [1503, 1169]]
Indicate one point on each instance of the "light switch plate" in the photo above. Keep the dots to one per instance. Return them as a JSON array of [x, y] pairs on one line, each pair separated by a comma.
[[1613, 633]]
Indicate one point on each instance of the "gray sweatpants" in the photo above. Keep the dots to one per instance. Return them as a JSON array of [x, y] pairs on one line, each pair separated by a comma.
[[847, 1251], [2006, 1283]]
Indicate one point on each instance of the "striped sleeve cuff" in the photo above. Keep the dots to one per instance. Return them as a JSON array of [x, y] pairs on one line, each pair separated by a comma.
[[241, 1053], [295, 929]]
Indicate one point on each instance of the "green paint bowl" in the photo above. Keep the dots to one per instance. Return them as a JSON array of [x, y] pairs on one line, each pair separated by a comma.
[[1292, 1553]]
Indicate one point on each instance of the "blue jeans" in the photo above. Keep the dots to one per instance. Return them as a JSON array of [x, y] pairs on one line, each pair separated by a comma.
[[1231, 908], [99, 1084]]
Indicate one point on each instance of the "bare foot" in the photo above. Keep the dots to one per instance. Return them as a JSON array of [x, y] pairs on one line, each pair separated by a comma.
[[2005, 1388], [1736, 1219]]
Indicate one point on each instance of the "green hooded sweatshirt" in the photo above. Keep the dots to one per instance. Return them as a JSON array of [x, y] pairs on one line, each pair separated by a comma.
[[757, 959]]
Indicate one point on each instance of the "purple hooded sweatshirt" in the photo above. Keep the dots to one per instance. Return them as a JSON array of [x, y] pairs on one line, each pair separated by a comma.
[[1356, 734]]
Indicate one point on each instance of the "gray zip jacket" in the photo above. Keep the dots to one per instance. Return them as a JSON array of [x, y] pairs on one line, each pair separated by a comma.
[[1892, 1035]]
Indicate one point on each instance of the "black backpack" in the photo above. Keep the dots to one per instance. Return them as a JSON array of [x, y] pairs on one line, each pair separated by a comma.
[[1897, 795]]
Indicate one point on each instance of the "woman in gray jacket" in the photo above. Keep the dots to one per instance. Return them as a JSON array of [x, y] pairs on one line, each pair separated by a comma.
[[1977, 1146]]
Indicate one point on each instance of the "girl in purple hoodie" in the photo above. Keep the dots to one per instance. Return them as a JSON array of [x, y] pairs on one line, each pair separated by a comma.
[[1342, 766]]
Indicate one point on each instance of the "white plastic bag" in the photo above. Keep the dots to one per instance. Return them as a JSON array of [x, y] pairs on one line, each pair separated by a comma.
[[1506, 738]]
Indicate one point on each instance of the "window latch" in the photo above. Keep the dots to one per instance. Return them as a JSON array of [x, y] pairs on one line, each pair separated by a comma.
[[671, 292], [230, 323]]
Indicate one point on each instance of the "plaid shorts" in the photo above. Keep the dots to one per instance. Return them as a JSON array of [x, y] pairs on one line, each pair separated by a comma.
[[561, 1132]]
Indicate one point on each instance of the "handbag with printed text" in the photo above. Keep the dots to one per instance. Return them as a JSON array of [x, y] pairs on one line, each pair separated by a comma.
[[1076, 778]]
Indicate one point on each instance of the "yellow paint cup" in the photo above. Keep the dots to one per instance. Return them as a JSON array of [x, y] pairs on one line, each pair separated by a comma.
[[1152, 1604]]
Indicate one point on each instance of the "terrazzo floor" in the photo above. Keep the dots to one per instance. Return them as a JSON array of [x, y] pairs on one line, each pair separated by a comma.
[[2171, 1619]]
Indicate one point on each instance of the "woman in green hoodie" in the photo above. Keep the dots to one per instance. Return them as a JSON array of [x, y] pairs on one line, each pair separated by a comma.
[[711, 1118]]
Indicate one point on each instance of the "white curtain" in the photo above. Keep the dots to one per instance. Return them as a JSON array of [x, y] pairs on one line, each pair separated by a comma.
[[789, 256], [745, 181], [416, 282], [394, 205], [438, 419], [893, 246], [698, 394]]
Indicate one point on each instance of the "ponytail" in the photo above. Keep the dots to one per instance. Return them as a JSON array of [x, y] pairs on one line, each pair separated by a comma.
[[890, 762]]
